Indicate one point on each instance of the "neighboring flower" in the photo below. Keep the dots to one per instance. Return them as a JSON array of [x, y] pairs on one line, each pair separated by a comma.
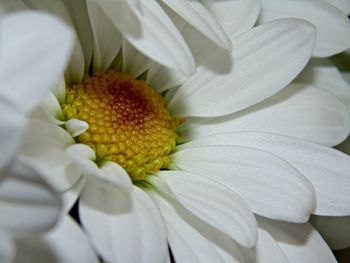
[[28, 205], [229, 131]]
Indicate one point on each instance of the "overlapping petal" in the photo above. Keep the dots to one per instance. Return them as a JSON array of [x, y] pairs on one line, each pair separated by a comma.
[[236, 16], [299, 242], [300, 110], [224, 210], [270, 186], [197, 15], [25, 37], [28, 204], [123, 226], [65, 244], [187, 244], [249, 75], [333, 25], [150, 31], [326, 168]]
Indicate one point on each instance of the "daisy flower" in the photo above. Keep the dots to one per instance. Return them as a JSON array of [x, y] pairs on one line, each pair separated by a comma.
[[29, 207], [203, 152]]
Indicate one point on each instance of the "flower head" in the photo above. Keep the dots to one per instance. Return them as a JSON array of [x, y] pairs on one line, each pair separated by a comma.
[[156, 156]]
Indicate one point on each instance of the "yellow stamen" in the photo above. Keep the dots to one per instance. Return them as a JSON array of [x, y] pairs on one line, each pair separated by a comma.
[[128, 122]]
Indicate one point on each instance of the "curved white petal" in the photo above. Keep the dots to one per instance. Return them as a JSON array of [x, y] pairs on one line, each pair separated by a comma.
[[75, 69], [109, 175], [270, 186], [196, 14], [7, 248], [187, 244], [299, 242], [343, 5], [300, 111], [13, 125], [162, 78], [71, 195], [235, 16], [80, 19], [65, 244], [213, 203], [28, 203], [59, 90], [321, 73], [34, 49], [134, 62], [123, 226], [333, 26], [151, 32], [107, 40], [76, 127], [78, 152], [44, 146], [266, 250], [327, 169], [335, 230], [257, 70], [52, 107]]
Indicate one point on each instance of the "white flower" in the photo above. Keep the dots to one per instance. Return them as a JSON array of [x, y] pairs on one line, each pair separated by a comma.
[[242, 142], [28, 205]]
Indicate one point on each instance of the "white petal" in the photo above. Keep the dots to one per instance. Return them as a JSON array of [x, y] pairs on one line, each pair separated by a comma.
[[44, 146], [52, 107], [28, 203], [256, 71], [65, 244], [123, 226], [59, 90], [333, 26], [78, 152], [70, 196], [323, 74], [335, 230], [326, 168], [12, 129], [80, 18], [7, 248], [269, 185], [196, 14], [107, 40], [76, 127], [235, 16], [299, 242], [213, 203], [75, 70], [151, 32], [299, 111], [134, 62], [186, 243], [343, 5], [266, 250], [34, 50], [109, 175], [162, 78]]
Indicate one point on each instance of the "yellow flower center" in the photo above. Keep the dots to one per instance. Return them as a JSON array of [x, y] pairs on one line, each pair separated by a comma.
[[128, 122]]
